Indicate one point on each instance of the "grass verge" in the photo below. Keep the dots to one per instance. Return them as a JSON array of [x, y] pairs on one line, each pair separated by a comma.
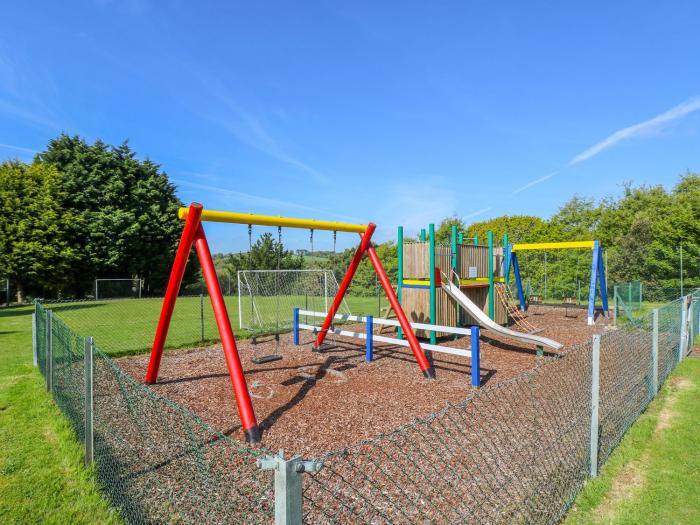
[[42, 475], [654, 475]]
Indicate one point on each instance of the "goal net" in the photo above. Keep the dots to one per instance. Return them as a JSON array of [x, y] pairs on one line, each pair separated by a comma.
[[118, 288], [267, 298]]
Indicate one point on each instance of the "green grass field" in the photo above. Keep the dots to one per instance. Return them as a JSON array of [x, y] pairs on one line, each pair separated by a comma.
[[127, 326], [653, 477]]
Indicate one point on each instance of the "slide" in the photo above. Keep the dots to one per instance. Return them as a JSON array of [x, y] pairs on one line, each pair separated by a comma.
[[484, 320]]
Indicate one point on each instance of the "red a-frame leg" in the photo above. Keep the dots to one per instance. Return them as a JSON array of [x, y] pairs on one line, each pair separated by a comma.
[[193, 233], [366, 246]]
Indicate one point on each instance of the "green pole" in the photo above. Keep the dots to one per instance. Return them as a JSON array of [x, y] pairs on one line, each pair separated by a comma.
[[454, 247], [489, 238], [433, 320], [506, 259], [422, 234], [476, 240], [461, 238], [399, 285], [454, 263]]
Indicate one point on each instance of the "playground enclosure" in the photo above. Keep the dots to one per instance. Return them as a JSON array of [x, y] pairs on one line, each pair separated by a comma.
[[516, 450]]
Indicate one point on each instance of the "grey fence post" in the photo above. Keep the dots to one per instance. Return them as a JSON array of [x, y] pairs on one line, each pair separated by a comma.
[[49, 351], [595, 393], [655, 352], [35, 342], [288, 485], [684, 328], [89, 401], [201, 316]]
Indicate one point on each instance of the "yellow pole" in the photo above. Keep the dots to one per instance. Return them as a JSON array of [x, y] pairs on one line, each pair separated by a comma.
[[271, 220], [553, 245]]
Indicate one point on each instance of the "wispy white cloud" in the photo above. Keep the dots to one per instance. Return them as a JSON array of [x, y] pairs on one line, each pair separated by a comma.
[[250, 130], [646, 128], [477, 212], [20, 113], [259, 200], [18, 148], [534, 182]]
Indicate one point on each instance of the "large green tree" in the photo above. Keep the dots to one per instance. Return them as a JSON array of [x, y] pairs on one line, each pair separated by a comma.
[[36, 249], [127, 211]]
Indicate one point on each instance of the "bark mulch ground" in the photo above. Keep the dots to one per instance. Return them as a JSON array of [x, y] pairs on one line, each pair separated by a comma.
[[310, 403]]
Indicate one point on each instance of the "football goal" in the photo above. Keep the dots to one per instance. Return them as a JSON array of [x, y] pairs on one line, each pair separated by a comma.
[[267, 298], [118, 288]]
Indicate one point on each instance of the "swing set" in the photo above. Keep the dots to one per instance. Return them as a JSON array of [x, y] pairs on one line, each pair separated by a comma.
[[597, 270], [193, 234]]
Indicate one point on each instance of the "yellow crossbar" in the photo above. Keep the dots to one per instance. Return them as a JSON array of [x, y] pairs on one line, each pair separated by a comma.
[[553, 245], [271, 220]]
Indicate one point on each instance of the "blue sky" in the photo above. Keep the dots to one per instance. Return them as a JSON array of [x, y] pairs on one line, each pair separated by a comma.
[[392, 112]]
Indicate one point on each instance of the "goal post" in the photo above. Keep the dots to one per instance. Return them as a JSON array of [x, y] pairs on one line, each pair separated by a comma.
[[118, 288], [267, 298]]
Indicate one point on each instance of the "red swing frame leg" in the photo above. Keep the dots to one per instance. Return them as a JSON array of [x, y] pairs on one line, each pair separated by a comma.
[[193, 233], [366, 246], [345, 283], [428, 370], [176, 273], [233, 361]]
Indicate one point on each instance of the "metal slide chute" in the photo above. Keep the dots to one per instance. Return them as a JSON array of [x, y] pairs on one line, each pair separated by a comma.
[[484, 320]]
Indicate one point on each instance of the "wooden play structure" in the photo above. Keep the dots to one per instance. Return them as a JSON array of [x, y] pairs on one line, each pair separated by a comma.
[[476, 269]]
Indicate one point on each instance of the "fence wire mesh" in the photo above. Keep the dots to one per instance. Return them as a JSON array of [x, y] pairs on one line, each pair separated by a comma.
[[513, 452]]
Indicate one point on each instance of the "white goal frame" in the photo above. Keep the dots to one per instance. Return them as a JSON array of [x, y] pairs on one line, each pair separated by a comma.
[[329, 289], [97, 281]]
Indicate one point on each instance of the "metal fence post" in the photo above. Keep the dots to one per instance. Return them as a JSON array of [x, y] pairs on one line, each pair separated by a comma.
[[89, 401], [288, 485], [615, 306], [35, 342], [49, 351], [201, 315], [655, 352], [595, 393], [684, 328]]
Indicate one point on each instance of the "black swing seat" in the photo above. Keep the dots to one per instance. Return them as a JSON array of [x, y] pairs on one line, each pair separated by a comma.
[[261, 360], [266, 359]]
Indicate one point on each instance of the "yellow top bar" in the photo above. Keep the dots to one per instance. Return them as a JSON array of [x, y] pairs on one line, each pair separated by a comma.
[[271, 220], [553, 245]]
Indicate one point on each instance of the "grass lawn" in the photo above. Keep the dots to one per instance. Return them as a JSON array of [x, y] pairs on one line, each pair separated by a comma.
[[127, 326], [653, 477], [42, 477]]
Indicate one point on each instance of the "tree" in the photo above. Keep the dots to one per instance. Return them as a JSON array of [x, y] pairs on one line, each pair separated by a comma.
[[36, 251], [127, 211]]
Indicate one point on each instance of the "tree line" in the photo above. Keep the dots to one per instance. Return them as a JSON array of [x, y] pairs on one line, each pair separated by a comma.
[[80, 211]]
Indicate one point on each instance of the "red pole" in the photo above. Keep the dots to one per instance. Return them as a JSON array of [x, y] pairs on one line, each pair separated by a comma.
[[428, 370], [343, 288], [178, 270], [233, 361]]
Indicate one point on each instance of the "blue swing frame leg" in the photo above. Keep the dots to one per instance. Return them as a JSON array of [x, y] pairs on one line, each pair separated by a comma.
[[476, 356], [518, 281], [369, 352]]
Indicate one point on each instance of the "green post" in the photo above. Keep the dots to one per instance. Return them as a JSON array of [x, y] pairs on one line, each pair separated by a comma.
[[455, 262], [399, 285], [461, 238], [476, 240], [422, 234], [489, 238], [433, 315], [506, 259]]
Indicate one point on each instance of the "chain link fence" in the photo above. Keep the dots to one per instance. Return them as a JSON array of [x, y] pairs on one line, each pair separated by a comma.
[[512, 452]]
